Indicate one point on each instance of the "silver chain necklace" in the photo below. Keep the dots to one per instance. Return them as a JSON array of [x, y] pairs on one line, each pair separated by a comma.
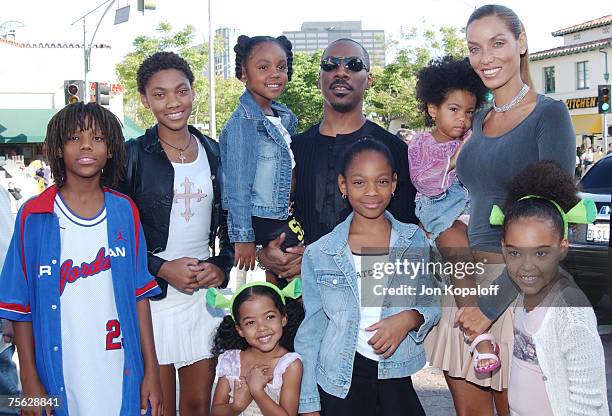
[[517, 99], [181, 156]]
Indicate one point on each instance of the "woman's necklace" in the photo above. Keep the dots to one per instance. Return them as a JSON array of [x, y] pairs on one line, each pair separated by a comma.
[[182, 156], [517, 99]]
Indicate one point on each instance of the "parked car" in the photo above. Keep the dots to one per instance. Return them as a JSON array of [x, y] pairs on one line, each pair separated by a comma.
[[589, 257]]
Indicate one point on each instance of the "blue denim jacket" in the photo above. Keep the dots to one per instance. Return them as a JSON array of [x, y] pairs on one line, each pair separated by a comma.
[[327, 338], [256, 167]]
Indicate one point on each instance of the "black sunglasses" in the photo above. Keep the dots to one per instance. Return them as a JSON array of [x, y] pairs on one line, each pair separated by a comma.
[[352, 63]]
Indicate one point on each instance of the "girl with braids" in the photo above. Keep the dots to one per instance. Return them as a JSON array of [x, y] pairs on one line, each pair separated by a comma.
[[256, 151], [75, 278], [558, 365], [172, 173], [258, 372]]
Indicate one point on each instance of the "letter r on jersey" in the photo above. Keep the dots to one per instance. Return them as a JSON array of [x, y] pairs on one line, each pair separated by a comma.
[[44, 270]]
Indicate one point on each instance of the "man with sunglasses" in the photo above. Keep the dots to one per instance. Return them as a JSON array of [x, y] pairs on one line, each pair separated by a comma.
[[343, 79]]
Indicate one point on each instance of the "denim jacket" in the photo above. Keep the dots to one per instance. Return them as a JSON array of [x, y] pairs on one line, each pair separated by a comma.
[[256, 166], [327, 338]]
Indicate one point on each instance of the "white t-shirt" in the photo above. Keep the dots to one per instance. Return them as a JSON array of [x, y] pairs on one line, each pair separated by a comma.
[[191, 212], [92, 345], [369, 315], [277, 122]]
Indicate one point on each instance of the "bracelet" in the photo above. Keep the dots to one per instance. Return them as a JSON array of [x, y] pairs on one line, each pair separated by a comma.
[[258, 248]]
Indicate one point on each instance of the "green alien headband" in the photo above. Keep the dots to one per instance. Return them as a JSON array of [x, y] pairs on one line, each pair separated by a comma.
[[584, 212], [218, 300]]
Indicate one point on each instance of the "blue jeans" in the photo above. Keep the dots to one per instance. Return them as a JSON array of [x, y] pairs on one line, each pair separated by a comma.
[[9, 382]]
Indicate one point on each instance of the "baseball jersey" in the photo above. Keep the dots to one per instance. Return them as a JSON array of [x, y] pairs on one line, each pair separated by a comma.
[[91, 331], [31, 287]]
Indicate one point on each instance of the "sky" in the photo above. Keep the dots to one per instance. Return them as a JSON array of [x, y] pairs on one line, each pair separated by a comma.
[[49, 21]]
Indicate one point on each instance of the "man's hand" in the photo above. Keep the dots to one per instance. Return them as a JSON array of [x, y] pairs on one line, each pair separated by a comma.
[[472, 322], [151, 392], [181, 273], [244, 256], [210, 276], [391, 331], [283, 264]]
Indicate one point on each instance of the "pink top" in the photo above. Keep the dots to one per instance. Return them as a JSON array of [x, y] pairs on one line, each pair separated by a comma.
[[429, 161]]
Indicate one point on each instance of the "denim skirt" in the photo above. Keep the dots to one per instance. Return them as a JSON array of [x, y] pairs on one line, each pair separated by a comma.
[[438, 213]]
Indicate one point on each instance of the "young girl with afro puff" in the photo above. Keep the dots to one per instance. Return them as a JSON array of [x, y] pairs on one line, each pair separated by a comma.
[[558, 364]]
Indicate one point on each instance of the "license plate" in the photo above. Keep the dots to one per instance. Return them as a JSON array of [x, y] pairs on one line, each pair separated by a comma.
[[598, 233]]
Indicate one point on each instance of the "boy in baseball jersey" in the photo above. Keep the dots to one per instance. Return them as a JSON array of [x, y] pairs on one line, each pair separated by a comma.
[[75, 279]]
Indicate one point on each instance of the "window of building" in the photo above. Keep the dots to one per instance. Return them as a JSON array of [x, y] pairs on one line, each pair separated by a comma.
[[582, 72], [577, 36], [606, 30], [549, 79]]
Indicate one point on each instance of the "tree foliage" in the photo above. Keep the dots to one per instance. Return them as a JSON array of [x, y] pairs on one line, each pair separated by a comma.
[[183, 43], [302, 95], [392, 94]]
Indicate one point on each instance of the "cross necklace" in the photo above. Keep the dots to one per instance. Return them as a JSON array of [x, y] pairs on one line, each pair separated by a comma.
[[181, 156]]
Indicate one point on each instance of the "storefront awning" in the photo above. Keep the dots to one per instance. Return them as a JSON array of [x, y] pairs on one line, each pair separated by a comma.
[[24, 126], [587, 123], [21, 126]]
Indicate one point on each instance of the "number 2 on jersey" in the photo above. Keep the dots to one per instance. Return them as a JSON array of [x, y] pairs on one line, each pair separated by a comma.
[[113, 329]]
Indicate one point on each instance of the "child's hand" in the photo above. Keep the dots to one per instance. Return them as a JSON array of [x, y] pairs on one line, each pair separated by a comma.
[[181, 273], [33, 388], [151, 392], [242, 395], [7, 331], [258, 377], [244, 256], [210, 276], [391, 331]]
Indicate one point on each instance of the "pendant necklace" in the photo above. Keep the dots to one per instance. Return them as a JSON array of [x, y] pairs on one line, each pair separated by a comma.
[[517, 99], [181, 156]]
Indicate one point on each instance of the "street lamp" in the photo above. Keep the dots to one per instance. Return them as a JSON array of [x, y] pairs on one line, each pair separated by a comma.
[[7, 28], [87, 49], [211, 75]]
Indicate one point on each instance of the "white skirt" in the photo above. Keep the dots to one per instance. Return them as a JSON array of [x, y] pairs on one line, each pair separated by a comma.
[[184, 327]]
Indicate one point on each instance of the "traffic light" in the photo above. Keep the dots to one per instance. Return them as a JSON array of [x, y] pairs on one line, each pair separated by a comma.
[[100, 93], [143, 5], [103, 93], [603, 99], [73, 91]]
